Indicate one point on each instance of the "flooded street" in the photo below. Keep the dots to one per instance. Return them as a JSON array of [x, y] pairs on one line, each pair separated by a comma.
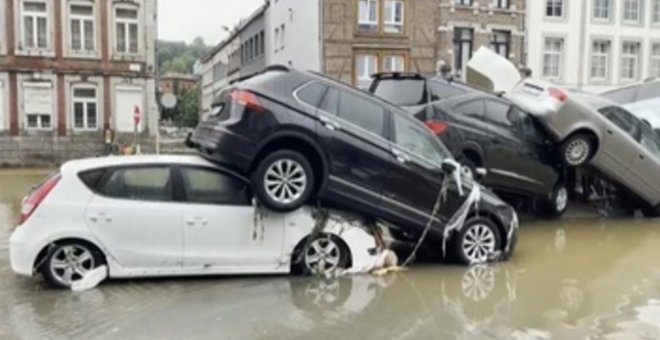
[[576, 278]]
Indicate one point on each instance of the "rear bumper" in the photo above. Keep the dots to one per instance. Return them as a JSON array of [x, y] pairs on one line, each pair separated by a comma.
[[228, 149], [21, 255]]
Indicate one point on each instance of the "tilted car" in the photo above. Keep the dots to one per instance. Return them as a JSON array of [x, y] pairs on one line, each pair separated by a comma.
[[302, 137], [642, 100], [484, 131], [152, 216], [588, 128]]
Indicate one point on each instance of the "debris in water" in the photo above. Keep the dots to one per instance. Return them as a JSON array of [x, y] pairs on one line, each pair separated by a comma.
[[91, 279]]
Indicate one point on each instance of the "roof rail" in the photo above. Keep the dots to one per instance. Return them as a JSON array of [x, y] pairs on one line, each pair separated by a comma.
[[381, 75]]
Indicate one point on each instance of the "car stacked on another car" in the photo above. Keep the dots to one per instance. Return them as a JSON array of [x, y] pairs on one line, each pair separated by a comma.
[[588, 129], [485, 132], [302, 137], [642, 100]]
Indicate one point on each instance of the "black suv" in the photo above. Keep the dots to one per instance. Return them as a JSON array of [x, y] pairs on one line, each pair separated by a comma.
[[303, 137], [484, 131]]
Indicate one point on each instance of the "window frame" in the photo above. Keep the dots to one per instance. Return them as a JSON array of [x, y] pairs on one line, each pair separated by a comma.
[[498, 4], [640, 12], [175, 188], [496, 44], [181, 189], [85, 102], [607, 56], [81, 23], [35, 25], [127, 22], [458, 48], [558, 54], [637, 57], [380, 62], [554, 9], [34, 84], [597, 8], [655, 12], [381, 19], [654, 59]]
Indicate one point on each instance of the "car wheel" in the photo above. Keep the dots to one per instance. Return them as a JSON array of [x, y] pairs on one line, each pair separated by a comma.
[[577, 150], [284, 181], [68, 263], [477, 241], [322, 255], [555, 206]]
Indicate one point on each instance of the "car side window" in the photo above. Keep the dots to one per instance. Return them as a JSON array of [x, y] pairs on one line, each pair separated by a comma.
[[623, 119], [473, 108], [149, 183], [330, 101], [312, 93], [208, 186], [650, 141], [410, 136], [526, 125], [357, 111], [498, 113]]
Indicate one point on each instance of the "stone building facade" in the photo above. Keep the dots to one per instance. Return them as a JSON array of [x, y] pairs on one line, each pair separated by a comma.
[[72, 74], [466, 25]]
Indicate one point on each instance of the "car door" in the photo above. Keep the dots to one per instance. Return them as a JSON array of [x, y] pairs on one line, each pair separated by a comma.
[[352, 130], [620, 146], [645, 169], [221, 226], [416, 176], [135, 218]]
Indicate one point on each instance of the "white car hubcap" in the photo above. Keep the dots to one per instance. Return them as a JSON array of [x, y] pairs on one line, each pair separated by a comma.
[[561, 201], [285, 181], [70, 263], [322, 256], [478, 243], [577, 152], [478, 282]]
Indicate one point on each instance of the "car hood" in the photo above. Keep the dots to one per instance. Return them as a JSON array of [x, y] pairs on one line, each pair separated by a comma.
[[490, 71]]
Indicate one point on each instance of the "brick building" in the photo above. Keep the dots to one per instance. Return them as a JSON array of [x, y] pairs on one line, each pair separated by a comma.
[[176, 83], [466, 25], [71, 70]]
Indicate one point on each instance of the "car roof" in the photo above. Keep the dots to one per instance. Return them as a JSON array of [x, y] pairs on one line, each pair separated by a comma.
[[593, 100], [80, 165]]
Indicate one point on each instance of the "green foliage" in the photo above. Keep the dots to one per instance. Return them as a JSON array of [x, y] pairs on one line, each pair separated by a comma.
[[180, 57], [189, 108]]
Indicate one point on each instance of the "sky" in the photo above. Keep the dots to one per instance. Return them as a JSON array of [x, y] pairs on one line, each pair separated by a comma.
[[183, 20]]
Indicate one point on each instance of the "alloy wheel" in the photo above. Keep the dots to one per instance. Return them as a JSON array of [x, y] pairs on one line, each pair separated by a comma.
[[561, 199], [479, 243], [577, 151], [285, 181], [323, 256], [70, 263], [478, 282]]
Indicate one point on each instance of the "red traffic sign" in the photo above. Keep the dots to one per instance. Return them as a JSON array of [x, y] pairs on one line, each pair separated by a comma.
[[137, 115]]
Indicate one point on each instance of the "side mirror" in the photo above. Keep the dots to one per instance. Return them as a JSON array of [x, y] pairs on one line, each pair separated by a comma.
[[449, 167]]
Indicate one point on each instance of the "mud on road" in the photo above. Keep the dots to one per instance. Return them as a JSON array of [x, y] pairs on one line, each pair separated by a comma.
[[575, 278]]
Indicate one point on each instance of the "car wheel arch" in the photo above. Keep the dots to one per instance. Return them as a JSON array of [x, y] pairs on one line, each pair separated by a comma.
[[491, 216], [44, 250], [301, 244], [589, 132], [299, 142], [474, 153]]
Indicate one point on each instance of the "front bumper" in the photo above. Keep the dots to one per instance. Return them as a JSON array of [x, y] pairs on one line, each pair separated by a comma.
[[21, 255]]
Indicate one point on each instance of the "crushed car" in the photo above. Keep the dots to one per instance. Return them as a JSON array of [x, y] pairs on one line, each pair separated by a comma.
[[304, 138], [588, 129], [155, 216], [487, 134]]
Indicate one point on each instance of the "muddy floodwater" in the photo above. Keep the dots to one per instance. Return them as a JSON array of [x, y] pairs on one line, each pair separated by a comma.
[[576, 278]]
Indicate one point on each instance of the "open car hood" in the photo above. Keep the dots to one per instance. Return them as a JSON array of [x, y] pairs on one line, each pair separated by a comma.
[[490, 71]]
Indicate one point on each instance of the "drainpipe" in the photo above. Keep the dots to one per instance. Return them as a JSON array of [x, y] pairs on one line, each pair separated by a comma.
[[321, 37], [583, 46]]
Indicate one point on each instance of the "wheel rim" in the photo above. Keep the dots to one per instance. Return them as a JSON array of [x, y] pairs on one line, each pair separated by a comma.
[[577, 152], [561, 201], [285, 181], [69, 264], [322, 256], [323, 293], [478, 243], [478, 282]]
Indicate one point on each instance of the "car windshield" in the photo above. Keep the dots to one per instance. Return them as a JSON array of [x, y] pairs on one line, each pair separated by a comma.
[[402, 92]]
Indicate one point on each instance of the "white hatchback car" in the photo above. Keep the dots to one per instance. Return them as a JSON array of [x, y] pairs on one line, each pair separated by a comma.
[[149, 216]]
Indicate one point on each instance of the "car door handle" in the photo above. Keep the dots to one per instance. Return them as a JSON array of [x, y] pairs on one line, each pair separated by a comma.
[[330, 124], [102, 217], [610, 131], [197, 221], [641, 157], [401, 156]]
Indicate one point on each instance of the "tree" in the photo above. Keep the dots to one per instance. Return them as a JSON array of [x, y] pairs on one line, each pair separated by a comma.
[[189, 108], [180, 57]]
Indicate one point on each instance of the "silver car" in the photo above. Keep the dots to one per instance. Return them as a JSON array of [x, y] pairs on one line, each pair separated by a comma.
[[642, 100], [588, 128]]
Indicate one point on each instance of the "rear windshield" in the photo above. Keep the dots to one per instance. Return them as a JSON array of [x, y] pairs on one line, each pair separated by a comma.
[[402, 92]]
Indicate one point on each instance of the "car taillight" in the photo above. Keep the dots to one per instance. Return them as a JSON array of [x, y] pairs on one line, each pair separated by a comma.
[[32, 202], [438, 128], [558, 94], [247, 99]]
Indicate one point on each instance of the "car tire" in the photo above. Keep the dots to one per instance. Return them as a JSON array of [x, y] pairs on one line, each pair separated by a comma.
[[651, 212], [321, 255], [476, 241], [556, 204], [67, 262], [283, 181], [577, 150]]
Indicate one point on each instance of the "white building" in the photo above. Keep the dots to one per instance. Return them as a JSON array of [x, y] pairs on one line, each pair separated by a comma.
[[295, 31], [593, 45]]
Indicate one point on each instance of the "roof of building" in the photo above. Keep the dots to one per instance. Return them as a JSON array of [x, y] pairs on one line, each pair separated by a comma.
[[236, 31]]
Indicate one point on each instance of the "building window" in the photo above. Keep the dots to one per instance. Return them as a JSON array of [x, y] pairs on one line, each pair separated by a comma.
[[501, 43], [602, 9], [394, 63], [554, 8], [82, 27], [85, 108], [38, 105], [462, 48], [600, 55], [365, 65], [393, 16], [2, 107], [35, 24], [656, 11], [630, 53], [464, 2], [631, 10], [127, 30], [262, 43], [504, 4], [368, 16], [256, 46], [282, 36], [552, 57], [276, 43], [655, 60]]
